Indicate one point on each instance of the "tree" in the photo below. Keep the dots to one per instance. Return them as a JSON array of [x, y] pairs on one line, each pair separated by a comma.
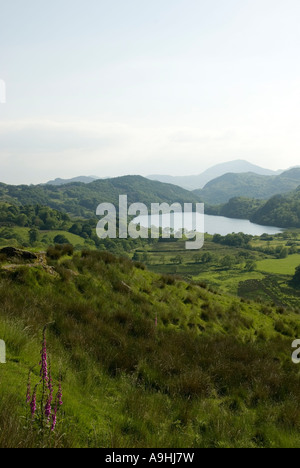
[[33, 236], [76, 229], [227, 262], [251, 265], [207, 257], [283, 253], [22, 220], [145, 257], [136, 257], [197, 258], [296, 278], [60, 239], [293, 250]]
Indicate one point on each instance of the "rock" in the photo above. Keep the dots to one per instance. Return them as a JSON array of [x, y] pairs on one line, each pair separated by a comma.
[[12, 252]]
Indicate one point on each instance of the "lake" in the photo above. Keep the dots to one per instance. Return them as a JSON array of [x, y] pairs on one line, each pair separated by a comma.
[[212, 224]]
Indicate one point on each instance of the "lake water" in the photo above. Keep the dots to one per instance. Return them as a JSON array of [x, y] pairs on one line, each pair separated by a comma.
[[212, 224]]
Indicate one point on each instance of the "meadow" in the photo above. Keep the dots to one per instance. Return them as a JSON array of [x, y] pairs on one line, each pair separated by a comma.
[[157, 346], [246, 270], [216, 371]]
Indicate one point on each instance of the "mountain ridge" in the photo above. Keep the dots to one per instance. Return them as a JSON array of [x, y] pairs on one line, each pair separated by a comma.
[[79, 199], [81, 179], [249, 185], [199, 181]]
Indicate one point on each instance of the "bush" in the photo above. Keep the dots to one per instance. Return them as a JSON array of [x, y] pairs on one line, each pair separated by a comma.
[[58, 251]]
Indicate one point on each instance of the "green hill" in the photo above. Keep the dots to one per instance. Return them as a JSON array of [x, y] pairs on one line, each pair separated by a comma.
[[248, 185], [215, 372], [195, 182], [281, 210], [79, 199], [83, 179], [238, 207]]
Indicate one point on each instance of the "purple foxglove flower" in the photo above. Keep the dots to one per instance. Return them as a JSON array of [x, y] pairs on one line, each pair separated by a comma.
[[33, 403], [28, 395]]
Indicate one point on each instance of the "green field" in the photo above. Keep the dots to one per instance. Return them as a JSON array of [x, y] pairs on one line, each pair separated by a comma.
[[19, 236], [255, 271], [285, 266]]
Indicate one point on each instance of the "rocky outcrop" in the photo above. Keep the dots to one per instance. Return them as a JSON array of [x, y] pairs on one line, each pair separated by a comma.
[[11, 253]]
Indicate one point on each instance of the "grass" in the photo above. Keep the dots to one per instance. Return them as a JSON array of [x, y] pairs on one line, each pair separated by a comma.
[[216, 372], [20, 236], [268, 279], [72, 238], [285, 266], [228, 282]]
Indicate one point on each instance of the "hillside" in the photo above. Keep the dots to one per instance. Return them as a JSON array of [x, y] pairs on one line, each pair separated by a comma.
[[208, 375], [238, 207], [248, 185], [195, 182], [79, 199], [83, 179], [281, 210]]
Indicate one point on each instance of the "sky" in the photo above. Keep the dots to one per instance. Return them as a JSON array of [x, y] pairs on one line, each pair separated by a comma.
[[117, 87]]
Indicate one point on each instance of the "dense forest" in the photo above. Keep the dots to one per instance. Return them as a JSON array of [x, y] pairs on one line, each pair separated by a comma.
[[81, 200], [281, 210]]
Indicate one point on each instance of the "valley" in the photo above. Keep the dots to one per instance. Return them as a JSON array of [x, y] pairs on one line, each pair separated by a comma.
[[155, 346]]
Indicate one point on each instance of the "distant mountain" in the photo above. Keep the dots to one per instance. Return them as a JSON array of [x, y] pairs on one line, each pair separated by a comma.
[[194, 182], [82, 179], [248, 185], [79, 199]]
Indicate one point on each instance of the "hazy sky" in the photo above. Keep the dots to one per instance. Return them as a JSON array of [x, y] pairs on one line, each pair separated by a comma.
[[133, 86]]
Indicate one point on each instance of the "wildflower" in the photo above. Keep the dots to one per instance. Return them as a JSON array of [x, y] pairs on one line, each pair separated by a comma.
[[45, 409], [59, 394], [58, 403], [54, 418], [48, 406], [33, 402], [28, 395], [43, 363]]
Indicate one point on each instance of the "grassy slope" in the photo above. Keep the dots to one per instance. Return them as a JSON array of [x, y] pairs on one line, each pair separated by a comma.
[[284, 266], [21, 236], [217, 371], [269, 281]]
